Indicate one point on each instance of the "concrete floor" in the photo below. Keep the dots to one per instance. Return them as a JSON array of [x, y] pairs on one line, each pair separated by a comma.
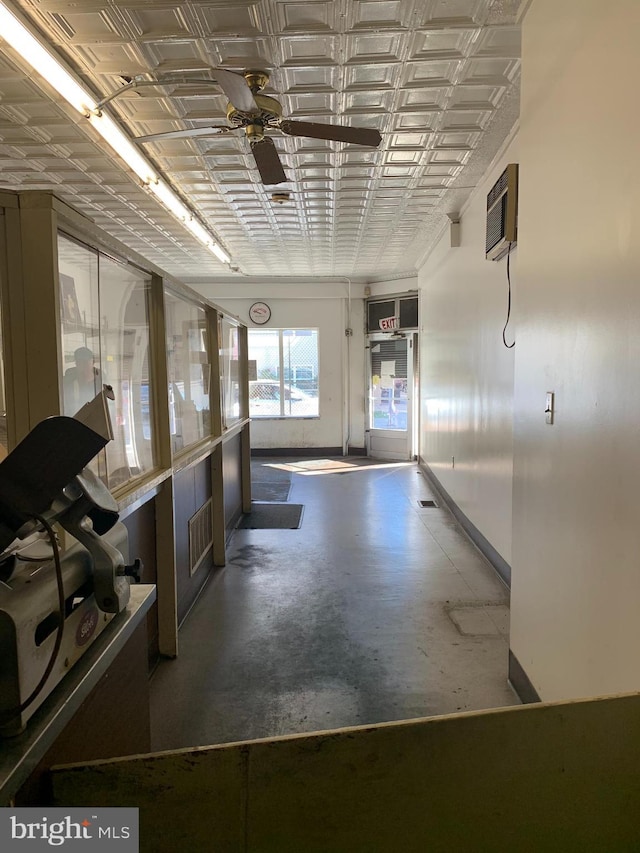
[[375, 609]]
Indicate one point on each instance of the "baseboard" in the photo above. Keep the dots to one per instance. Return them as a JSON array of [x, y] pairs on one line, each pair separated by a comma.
[[296, 451], [520, 682], [481, 542], [356, 451]]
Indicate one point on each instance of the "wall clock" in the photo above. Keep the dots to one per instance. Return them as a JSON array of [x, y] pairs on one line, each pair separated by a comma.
[[259, 313]]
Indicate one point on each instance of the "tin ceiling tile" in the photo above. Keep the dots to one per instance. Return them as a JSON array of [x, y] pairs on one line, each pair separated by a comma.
[[498, 41], [455, 13], [367, 48], [430, 75], [237, 19], [448, 44], [379, 14], [304, 17]]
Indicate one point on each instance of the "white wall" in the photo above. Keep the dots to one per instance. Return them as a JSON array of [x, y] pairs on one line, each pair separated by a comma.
[[575, 615], [466, 372], [395, 285], [341, 361]]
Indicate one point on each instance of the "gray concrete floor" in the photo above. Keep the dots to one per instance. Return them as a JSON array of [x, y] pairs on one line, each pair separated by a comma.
[[375, 609]]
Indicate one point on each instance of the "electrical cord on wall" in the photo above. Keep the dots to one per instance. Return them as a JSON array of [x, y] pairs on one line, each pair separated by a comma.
[[504, 340], [7, 715]]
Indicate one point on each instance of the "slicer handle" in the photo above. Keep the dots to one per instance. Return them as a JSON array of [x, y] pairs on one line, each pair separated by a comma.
[[134, 571]]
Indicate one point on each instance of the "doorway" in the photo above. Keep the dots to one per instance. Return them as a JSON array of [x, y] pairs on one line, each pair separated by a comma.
[[391, 392]]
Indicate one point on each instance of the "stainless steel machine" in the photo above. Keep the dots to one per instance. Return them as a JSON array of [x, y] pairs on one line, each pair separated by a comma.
[[54, 605]]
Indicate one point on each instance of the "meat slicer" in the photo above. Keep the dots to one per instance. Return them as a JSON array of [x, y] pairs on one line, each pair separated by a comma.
[[54, 605]]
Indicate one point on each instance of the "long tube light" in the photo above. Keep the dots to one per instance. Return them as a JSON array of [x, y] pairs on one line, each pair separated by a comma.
[[30, 48], [48, 66], [126, 150]]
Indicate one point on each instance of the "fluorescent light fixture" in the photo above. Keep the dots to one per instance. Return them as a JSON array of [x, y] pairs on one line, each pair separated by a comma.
[[170, 200], [117, 139], [220, 253], [45, 63], [198, 231], [203, 235], [42, 60]]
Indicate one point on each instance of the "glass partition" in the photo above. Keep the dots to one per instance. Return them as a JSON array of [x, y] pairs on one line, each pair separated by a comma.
[[80, 324], [189, 371], [229, 371], [124, 337], [4, 444], [104, 307]]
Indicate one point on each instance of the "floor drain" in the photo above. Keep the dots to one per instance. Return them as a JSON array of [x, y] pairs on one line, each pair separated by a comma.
[[427, 503]]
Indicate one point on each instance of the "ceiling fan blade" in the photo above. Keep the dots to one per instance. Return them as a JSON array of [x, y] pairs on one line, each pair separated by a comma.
[[268, 162], [334, 132], [236, 89], [184, 134]]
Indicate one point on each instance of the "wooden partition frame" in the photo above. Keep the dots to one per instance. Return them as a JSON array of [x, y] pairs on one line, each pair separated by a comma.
[[29, 276]]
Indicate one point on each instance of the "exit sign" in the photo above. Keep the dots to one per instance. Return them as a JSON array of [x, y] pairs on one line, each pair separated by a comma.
[[388, 324]]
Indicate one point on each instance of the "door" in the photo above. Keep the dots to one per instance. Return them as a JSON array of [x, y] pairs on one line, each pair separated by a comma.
[[390, 397]]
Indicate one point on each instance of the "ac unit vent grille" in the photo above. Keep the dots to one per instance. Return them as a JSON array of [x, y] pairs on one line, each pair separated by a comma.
[[502, 214], [200, 536], [497, 189], [495, 223]]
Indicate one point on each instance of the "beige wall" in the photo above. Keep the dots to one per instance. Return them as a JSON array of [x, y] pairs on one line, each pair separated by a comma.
[[341, 362], [576, 546], [467, 372]]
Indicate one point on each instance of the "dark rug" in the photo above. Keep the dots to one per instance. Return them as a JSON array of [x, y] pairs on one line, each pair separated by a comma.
[[271, 490], [272, 516]]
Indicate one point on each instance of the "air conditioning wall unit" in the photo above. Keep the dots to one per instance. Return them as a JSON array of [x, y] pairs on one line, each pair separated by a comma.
[[502, 214]]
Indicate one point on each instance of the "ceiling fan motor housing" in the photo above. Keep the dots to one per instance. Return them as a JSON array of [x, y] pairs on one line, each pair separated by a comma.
[[256, 80], [270, 111]]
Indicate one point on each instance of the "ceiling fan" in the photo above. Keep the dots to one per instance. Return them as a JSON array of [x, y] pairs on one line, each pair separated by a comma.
[[255, 114]]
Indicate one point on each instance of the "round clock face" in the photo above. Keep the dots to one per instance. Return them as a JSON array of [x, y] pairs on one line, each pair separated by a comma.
[[259, 313]]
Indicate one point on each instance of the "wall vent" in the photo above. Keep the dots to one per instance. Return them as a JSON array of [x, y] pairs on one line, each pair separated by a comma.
[[502, 214], [200, 536]]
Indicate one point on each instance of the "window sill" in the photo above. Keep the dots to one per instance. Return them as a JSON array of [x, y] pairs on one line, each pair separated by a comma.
[[285, 417]]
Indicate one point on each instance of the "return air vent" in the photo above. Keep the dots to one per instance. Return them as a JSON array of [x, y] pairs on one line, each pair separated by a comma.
[[502, 214], [200, 536]]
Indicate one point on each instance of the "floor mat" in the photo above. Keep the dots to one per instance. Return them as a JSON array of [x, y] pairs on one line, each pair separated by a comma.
[[272, 516], [271, 490]]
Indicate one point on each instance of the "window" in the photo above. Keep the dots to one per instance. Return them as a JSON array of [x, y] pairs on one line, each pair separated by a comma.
[[104, 306], [188, 366], [229, 370], [286, 383]]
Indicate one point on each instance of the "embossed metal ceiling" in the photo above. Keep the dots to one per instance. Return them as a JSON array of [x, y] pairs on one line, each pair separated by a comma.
[[438, 78]]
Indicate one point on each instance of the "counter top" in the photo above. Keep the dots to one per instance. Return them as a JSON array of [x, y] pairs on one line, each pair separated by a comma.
[[20, 755]]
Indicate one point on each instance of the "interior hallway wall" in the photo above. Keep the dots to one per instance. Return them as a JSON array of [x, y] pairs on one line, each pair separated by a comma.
[[341, 362], [575, 625], [466, 372]]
